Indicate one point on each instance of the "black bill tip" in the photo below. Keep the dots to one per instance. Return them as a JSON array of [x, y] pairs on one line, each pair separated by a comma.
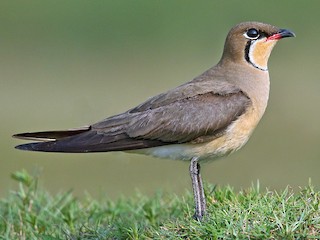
[[284, 33]]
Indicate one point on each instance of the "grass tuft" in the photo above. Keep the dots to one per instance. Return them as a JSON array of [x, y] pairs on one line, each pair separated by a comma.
[[32, 213]]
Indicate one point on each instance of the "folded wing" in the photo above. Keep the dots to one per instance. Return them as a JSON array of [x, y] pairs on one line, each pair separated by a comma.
[[185, 115]]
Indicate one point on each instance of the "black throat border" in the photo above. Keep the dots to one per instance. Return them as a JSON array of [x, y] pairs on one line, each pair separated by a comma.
[[247, 57]]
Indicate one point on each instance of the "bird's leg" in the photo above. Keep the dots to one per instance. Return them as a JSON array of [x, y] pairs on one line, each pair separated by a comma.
[[197, 188]]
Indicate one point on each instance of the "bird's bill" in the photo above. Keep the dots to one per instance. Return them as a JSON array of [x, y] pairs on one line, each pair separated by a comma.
[[283, 33]]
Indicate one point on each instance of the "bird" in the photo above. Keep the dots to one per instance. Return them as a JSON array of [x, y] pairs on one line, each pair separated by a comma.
[[208, 117]]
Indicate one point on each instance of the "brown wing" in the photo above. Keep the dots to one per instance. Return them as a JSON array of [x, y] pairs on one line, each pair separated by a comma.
[[188, 119], [162, 120]]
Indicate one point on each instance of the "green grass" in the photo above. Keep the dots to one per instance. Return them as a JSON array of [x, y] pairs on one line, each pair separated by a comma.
[[32, 213]]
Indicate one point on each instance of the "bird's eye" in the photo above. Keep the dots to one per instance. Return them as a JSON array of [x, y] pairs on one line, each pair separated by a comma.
[[252, 33]]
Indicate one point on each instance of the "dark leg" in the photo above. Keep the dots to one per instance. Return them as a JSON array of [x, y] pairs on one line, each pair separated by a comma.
[[197, 187]]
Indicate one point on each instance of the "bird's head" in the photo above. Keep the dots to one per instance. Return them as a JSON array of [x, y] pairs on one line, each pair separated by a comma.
[[252, 42]]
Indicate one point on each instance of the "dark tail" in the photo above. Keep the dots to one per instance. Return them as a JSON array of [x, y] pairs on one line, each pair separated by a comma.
[[48, 139], [50, 135], [82, 141]]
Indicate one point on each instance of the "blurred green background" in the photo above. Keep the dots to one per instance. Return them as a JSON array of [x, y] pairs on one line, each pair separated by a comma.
[[65, 64]]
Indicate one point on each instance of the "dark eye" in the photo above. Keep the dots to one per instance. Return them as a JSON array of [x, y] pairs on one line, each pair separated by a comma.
[[252, 33]]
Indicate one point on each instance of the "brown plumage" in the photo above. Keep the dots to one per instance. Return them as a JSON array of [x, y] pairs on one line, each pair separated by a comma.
[[208, 117]]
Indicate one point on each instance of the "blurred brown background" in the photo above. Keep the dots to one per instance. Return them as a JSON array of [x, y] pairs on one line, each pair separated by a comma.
[[65, 64]]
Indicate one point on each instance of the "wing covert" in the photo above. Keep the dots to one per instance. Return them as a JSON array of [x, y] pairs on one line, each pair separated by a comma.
[[188, 119]]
